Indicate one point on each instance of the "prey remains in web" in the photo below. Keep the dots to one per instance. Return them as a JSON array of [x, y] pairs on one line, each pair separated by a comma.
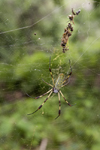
[[68, 31], [61, 81]]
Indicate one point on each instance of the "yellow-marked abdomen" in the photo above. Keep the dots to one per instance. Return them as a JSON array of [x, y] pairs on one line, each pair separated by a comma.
[[59, 81]]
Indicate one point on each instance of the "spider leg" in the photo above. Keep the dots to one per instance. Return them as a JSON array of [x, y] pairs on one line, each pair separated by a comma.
[[65, 99], [47, 83], [59, 112], [66, 83], [67, 78], [68, 75], [41, 104], [70, 67], [51, 71], [40, 95]]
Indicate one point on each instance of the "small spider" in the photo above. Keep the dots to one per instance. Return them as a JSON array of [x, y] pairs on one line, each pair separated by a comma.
[[60, 82]]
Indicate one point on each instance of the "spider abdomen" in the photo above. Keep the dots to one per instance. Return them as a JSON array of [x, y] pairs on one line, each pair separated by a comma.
[[59, 81]]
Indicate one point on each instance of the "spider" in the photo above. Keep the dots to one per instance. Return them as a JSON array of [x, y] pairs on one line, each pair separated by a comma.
[[60, 82]]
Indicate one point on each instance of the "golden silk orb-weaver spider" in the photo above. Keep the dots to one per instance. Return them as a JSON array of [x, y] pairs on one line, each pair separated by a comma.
[[60, 82]]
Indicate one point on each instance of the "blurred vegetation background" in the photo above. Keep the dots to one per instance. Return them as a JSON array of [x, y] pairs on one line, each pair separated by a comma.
[[24, 62]]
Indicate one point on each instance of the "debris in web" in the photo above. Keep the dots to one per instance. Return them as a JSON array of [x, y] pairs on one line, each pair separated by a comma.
[[68, 31]]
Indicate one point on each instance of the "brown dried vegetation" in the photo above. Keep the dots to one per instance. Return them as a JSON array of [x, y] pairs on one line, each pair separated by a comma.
[[68, 31]]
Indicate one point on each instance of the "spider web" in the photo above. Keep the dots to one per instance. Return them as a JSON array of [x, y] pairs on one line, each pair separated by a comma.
[[29, 37]]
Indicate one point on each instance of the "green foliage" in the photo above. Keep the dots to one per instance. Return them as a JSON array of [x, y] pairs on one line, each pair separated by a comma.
[[96, 3], [58, 2], [24, 62]]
